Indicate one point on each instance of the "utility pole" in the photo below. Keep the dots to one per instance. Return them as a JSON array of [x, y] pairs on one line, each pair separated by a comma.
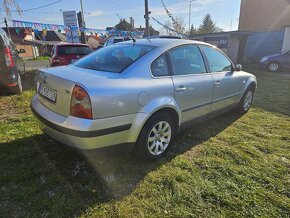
[[83, 22], [189, 15], [147, 18]]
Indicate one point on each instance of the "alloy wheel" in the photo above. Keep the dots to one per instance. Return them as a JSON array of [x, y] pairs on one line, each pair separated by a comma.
[[159, 138], [273, 67], [248, 101]]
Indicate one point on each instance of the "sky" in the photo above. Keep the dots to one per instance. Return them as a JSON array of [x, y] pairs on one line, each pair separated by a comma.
[[103, 13]]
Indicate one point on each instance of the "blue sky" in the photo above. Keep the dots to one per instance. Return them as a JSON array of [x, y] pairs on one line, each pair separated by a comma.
[[103, 12]]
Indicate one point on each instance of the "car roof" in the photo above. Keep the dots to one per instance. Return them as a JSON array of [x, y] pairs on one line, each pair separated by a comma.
[[161, 42]]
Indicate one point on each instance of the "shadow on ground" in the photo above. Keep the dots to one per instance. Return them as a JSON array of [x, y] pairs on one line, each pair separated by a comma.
[[59, 181]]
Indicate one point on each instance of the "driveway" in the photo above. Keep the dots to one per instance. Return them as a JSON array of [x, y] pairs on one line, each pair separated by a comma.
[[34, 65]]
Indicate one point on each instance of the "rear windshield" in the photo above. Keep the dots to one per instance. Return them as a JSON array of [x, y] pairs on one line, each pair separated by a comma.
[[114, 58], [74, 50]]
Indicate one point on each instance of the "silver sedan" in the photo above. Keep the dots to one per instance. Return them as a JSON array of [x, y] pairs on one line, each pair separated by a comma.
[[141, 92]]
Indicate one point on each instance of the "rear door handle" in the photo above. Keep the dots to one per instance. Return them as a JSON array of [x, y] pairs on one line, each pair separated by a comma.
[[180, 89]]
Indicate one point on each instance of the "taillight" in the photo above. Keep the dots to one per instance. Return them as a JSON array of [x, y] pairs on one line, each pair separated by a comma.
[[55, 60], [80, 103], [8, 57]]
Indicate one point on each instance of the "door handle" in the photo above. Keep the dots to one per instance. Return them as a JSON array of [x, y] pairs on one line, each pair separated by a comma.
[[217, 83], [180, 89]]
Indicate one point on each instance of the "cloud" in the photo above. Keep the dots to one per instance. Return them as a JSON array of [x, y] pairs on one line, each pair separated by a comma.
[[96, 13]]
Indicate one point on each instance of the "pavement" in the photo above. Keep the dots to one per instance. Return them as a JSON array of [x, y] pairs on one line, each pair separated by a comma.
[[34, 65]]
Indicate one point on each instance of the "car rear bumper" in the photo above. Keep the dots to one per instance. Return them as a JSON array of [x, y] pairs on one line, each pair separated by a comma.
[[87, 134]]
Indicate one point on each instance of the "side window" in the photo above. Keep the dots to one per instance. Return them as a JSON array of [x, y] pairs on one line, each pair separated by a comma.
[[187, 60], [159, 67], [217, 61]]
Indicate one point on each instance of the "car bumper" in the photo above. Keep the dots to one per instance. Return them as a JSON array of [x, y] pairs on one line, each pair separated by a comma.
[[88, 134]]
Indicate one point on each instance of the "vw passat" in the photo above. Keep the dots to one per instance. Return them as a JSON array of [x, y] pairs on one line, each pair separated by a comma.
[[139, 92]]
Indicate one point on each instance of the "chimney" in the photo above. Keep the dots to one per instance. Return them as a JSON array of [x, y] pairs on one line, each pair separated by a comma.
[[132, 21]]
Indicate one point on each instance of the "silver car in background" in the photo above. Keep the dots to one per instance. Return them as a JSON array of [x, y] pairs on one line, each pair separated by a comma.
[[141, 92]]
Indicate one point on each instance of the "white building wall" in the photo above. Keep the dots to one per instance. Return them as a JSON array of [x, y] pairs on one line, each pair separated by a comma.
[[286, 42]]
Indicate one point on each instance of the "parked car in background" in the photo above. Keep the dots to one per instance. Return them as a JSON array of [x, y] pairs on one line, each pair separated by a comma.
[[12, 66], [67, 53], [276, 62], [140, 92], [116, 39]]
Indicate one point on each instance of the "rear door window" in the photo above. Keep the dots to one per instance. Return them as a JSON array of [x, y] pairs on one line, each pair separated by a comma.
[[74, 50], [160, 67], [187, 60]]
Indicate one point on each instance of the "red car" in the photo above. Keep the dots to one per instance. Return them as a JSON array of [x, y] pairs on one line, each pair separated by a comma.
[[67, 53]]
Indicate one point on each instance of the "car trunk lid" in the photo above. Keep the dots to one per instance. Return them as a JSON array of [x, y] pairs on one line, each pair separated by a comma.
[[62, 80]]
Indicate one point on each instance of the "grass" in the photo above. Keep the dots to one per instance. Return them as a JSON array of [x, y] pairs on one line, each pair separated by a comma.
[[228, 166], [39, 58]]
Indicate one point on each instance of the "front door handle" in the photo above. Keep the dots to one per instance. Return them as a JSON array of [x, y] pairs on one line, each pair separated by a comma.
[[180, 89]]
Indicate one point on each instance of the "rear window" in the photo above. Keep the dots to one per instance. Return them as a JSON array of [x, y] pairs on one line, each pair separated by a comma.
[[114, 58], [74, 50]]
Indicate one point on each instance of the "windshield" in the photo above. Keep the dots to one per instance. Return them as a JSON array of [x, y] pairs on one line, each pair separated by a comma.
[[74, 50], [114, 58]]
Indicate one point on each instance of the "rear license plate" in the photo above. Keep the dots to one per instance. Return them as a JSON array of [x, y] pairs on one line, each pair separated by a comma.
[[47, 92]]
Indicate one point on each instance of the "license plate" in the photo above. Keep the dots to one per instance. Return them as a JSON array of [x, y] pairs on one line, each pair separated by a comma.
[[73, 60], [47, 92]]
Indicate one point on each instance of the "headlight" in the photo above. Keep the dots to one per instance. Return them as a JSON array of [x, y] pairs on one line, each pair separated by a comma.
[[264, 59]]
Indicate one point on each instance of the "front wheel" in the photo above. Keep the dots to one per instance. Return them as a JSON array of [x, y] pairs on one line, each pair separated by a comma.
[[247, 100], [274, 67], [155, 137]]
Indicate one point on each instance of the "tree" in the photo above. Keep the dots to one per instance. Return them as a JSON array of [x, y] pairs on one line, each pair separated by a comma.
[[176, 24], [124, 25], [208, 25], [179, 25], [9, 4], [192, 30]]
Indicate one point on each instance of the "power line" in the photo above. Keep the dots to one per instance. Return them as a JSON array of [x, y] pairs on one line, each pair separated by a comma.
[[166, 27], [43, 6], [167, 11]]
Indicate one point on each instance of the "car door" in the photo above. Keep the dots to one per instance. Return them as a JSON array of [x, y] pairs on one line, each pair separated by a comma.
[[228, 85], [193, 86]]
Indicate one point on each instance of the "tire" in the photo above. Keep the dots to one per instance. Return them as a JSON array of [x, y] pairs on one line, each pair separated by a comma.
[[17, 90], [155, 137], [274, 67], [246, 101]]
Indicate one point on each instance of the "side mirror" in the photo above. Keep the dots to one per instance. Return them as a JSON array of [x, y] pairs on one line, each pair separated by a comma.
[[239, 67], [21, 51]]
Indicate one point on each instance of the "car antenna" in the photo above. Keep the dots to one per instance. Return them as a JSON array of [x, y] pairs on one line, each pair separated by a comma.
[[134, 40]]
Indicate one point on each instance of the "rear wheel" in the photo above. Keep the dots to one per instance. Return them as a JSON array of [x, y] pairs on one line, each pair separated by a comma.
[[247, 100], [274, 67], [16, 90], [155, 137]]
